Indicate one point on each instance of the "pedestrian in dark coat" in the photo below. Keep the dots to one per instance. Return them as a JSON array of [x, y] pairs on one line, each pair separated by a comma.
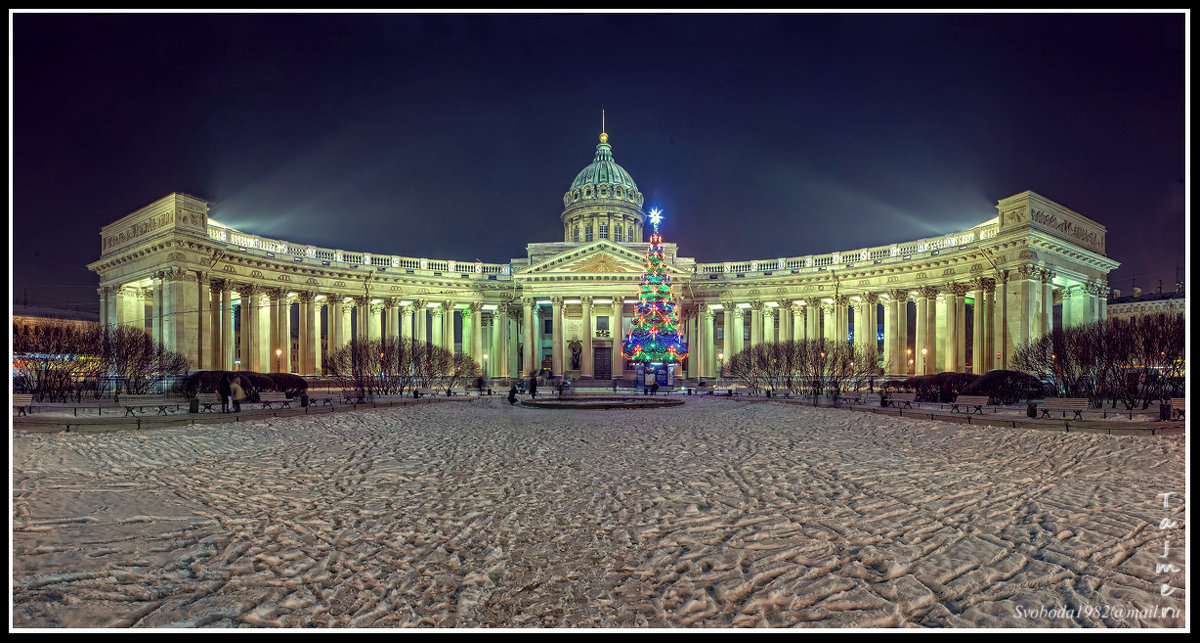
[[512, 394], [224, 390], [533, 387]]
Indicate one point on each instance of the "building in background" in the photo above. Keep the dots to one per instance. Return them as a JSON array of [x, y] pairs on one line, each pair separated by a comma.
[[220, 295]]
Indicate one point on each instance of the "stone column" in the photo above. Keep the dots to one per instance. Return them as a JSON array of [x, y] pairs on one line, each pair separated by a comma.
[[921, 338], [448, 326], [500, 340], [527, 354], [436, 326], [952, 329], [303, 367], [901, 337], [1102, 292], [468, 331], [961, 316], [829, 325], [691, 321], [156, 309], [314, 337], [587, 364], [346, 310], [420, 320], [618, 334], [756, 323], [335, 322], [557, 305], [227, 326], [476, 345], [727, 345], [406, 323], [393, 319], [375, 320], [988, 287], [977, 313], [783, 313], [251, 327], [1002, 341], [203, 322], [1026, 315], [859, 308], [891, 343], [870, 324], [931, 335], [797, 330], [739, 331], [1047, 277], [814, 316], [708, 366]]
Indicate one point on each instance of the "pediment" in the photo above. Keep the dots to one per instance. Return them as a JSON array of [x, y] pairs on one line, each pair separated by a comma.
[[598, 257]]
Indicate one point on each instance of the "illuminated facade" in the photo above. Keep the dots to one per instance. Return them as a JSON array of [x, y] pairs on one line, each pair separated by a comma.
[[564, 305]]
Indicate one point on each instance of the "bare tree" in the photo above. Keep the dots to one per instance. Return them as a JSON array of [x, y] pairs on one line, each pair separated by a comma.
[[53, 357]]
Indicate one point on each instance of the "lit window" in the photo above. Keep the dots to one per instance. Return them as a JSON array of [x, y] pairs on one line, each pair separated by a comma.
[[601, 323], [603, 232]]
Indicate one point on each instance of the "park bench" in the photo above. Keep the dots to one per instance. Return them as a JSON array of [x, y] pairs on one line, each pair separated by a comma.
[[23, 403], [353, 396], [896, 399], [969, 404], [1076, 405], [134, 403], [1178, 406], [207, 401], [853, 397], [267, 399], [324, 400]]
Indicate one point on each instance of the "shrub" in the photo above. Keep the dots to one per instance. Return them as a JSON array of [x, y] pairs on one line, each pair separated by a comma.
[[1006, 387], [289, 384], [253, 383]]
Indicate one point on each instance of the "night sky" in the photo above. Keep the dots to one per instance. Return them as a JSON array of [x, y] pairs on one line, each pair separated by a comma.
[[455, 136]]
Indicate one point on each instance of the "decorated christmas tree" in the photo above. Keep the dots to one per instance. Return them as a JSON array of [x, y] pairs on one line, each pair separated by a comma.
[[653, 343]]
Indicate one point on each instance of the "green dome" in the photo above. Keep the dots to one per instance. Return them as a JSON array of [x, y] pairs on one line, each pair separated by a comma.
[[603, 170]]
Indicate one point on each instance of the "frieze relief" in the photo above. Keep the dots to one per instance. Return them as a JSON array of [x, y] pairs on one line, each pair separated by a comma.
[[284, 278], [137, 230], [176, 256], [948, 272], [256, 274], [230, 269], [1064, 227]]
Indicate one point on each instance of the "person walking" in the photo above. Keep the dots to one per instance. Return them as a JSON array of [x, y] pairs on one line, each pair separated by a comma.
[[238, 394], [533, 386], [512, 395], [224, 390]]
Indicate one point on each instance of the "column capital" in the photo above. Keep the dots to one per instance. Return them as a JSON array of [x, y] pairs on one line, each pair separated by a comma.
[[377, 307], [901, 295], [739, 313], [475, 306], [869, 298], [417, 304], [958, 289], [1028, 271], [708, 313], [929, 292], [394, 302], [757, 305], [1047, 275], [557, 300], [528, 301]]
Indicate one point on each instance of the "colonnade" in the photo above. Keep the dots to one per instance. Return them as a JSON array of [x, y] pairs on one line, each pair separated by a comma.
[[924, 328]]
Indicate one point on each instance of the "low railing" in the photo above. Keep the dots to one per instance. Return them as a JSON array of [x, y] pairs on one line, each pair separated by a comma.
[[728, 269]]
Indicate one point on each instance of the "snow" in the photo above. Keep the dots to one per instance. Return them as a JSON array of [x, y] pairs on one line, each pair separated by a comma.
[[717, 513]]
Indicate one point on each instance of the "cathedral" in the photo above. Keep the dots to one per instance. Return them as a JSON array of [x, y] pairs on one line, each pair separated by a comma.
[[229, 299]]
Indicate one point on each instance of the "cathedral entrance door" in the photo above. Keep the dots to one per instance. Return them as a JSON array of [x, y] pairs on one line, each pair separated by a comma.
[[603, 362]]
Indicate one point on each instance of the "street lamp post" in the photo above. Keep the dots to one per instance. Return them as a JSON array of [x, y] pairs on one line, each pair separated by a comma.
[[278, 354], [908, 370], [924, 352], [721, 368]]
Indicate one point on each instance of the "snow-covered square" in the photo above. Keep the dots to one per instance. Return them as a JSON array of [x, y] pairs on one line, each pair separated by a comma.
[[717, 513]]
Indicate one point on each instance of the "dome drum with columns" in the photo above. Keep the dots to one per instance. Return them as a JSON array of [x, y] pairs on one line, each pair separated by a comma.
[[230, 299]]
